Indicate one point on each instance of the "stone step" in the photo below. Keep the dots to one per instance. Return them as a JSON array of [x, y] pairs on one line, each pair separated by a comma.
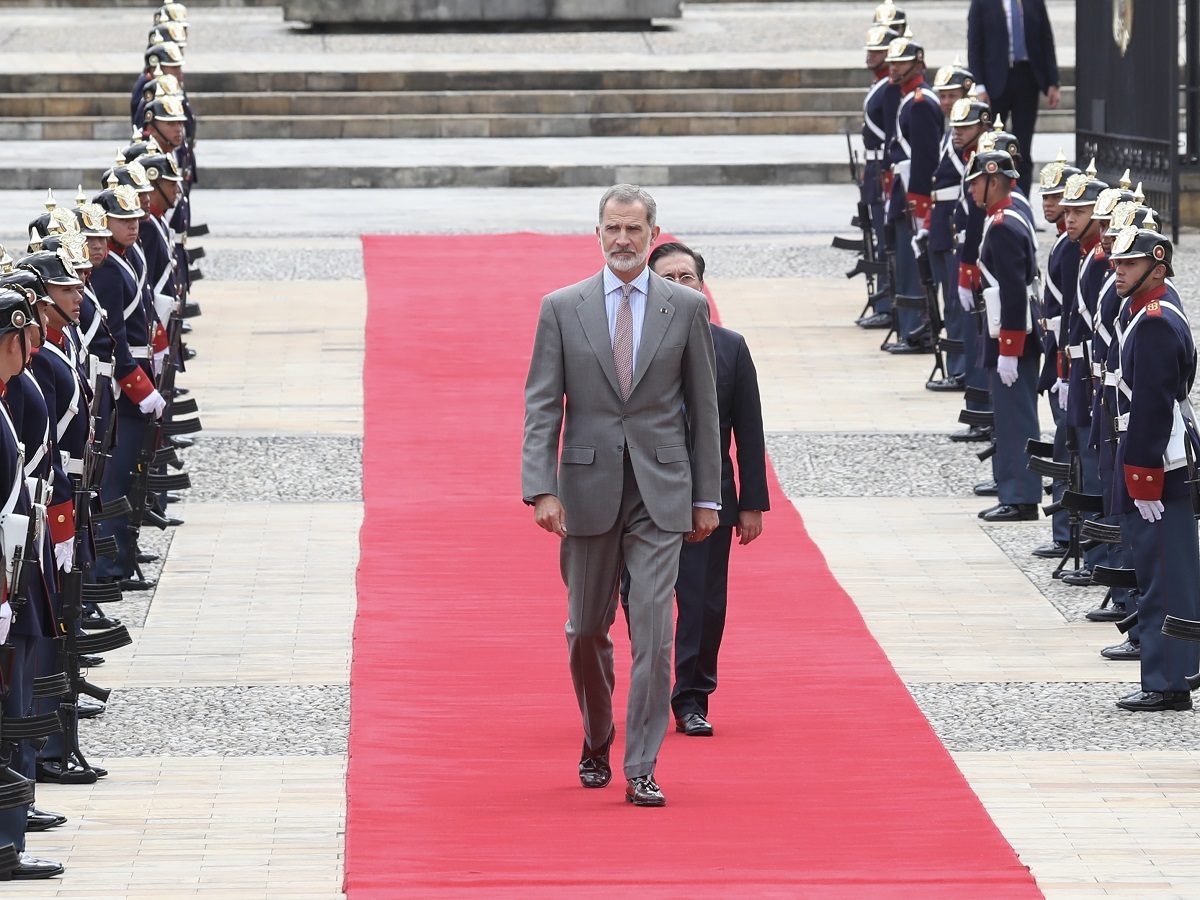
[[519, 162], [545, 102], [87, 128], [630, 79]]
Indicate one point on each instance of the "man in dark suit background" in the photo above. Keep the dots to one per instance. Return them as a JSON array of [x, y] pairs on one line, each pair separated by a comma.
[[701, 591], [1010, 48]]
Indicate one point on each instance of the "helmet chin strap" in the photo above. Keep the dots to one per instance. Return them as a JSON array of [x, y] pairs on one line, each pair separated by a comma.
[[67, 320], [1138, 284], [1084, 234]]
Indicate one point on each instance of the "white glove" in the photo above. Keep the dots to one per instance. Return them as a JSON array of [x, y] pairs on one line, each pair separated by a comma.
[[64, 554], [153, 404], [916, 240], [158, 362], [1060, 387], [1006, 368], [5, 620], [966, 298], [1151, 510]]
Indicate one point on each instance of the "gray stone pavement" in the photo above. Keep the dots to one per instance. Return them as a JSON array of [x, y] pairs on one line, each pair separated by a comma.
[[811, 34], [352, 153]]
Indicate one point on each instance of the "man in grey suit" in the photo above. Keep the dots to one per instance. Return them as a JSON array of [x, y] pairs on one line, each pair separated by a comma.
[[626, 357]]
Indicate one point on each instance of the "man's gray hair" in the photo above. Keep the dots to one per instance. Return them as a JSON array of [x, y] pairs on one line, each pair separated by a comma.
[[630, 193]]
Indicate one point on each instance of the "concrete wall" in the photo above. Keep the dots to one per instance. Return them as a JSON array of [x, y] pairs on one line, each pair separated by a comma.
[[416, 11]]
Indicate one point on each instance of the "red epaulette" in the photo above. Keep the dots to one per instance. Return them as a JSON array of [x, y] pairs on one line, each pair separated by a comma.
[[998, 218], [1153, 308]]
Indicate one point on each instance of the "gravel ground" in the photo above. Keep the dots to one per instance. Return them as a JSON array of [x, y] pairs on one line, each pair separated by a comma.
[[266, 720], [239, 469], [874, 465], [1048, 716], [307, 264]]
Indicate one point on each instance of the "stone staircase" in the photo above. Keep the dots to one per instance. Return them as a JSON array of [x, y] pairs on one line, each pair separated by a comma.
[[464, 104]]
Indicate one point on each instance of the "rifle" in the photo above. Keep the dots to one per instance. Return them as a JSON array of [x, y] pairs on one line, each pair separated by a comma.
[[151, 453], [73, 767], [868, 263], [938, 344]]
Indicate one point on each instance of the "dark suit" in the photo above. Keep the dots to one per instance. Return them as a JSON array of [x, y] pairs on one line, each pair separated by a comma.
[[701, 589], [1013, 88]]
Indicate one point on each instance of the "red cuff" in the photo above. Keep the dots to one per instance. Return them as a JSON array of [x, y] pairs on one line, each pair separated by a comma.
[[1012, 343], [969, 276], [62, 521], [160, 338], [921, 205], [887, 181], [1060, 365], [136, 385], [1143, 483]]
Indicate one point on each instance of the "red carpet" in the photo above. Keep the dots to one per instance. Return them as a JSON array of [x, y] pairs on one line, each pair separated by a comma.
[[824, 780]]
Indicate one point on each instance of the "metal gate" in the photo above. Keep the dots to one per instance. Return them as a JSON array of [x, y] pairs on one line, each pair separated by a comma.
[[1127, 95]]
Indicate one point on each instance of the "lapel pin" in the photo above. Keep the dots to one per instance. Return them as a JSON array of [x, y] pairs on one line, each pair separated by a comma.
[[662, 309]]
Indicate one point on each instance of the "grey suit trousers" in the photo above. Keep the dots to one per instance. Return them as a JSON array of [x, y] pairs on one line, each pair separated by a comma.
[[591, 569]]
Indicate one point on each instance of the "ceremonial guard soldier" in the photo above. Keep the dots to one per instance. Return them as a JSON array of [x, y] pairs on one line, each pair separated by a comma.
[[1079, 200], [120, 292], [1157, 447], [1008, 263], [1062, 268], [913, 155], [1120, 601], [879, 117], [969, 119], [952, 83], [19, 613]]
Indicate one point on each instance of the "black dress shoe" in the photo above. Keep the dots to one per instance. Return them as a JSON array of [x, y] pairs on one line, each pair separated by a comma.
[[172, 497], [1080, 578], [87, 708], [91, 662], [1127, 650], [40, 820], [1155, 701], [694, 725], [985, 489], [136, 584], [1053, 550], [143, 558], [594, 770], [973, 434], [97, 621], [877, 320], [51, 772], [945, 385], [903, 348], [1106, 614], [642, 791], [32, 868], [1011, 512]]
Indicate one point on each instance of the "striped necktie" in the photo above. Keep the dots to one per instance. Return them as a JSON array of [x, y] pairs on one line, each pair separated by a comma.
[[623, 342]]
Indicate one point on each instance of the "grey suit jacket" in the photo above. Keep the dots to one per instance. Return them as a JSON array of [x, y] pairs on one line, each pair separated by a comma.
[[572, 376]]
